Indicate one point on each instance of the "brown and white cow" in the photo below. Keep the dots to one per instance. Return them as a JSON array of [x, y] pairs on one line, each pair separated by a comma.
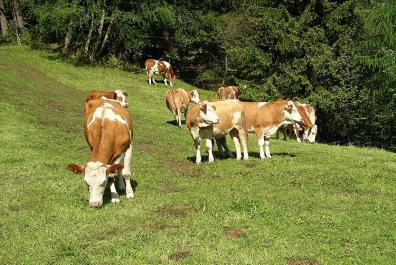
[[229, 92], [115, 95], [217, 119], [308, 134], [178, 99], [108, 131], [264, 119], [160, 67]]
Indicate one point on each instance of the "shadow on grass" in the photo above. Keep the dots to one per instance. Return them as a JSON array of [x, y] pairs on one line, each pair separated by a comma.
[[257, 154], [120, 191], [174, 123], [216, 154]]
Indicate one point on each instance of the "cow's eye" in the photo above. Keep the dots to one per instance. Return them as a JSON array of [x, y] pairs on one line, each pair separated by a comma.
[[119, 98]]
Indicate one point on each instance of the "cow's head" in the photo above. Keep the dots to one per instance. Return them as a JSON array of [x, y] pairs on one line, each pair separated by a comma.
[[96, 175], [311, 134], [121, 97], [194, 96], [207, 115]]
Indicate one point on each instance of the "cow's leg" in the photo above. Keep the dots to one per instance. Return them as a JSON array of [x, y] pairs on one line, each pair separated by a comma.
[[224, 143], [297, 133], [171, 84], [114, 195], [260, 141], [277, 133], [285, 134], [195, 135], [209, 148], [126, 172], [219, 146], [243, 138], [179, 118], [235, 138], [267, 150], [149, 77], [165, 81]]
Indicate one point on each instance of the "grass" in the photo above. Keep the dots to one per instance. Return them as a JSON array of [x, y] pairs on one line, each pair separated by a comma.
[[308, 204]]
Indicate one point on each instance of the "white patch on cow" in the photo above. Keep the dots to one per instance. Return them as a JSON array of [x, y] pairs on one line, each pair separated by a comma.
[[236, 117], [271, 130], [96, 179], [106, 112], [167, 65], [261, 104]]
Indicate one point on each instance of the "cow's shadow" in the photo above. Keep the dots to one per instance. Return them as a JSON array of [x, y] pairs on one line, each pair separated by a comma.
[[216, 155], [174, 123], [120, 190], [257, 154]]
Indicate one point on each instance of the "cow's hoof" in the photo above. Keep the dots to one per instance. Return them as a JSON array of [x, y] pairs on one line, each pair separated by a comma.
[[115, 200], [130, 195], [211, 161], [268, 156]]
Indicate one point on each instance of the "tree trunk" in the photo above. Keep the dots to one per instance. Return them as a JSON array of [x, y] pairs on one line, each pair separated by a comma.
[[106, 37], [67, 41], [3, 19], [15, 11], [88, 42], [18, 16]]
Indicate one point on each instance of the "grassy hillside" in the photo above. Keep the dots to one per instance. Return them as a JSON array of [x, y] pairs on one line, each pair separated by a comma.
[[308, 204]]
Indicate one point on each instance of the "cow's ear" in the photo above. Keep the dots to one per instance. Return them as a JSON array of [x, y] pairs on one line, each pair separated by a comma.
[[114, 95], [115, 168], [204, 107], [125, 94], [78, 169], [289, 105]]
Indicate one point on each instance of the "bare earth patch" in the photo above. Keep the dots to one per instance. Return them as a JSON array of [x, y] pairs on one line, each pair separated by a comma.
[[174, 164], [234, 233], [177, 256], [148, 148], [164, 226], [168, 189], [302, 261], [175, 210]]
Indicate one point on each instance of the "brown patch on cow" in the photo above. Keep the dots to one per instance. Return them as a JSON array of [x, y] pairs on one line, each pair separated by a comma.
[[168, 189], [302, 261], [177, 256], [164, 226], [234, 233], [176, 210]]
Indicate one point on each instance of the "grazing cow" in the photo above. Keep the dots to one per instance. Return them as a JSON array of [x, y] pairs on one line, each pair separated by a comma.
[[216, 119], [115, 95], [264, 119], [308, 134], [229, 92], [108, 131], [159, 67], [177, 101]]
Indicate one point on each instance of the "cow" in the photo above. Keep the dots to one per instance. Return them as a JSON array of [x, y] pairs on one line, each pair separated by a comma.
[[108, 132], [302, 134], [160, 67], [216, 119], [115, 95], [265, 118], [229, 92], [177, 101]]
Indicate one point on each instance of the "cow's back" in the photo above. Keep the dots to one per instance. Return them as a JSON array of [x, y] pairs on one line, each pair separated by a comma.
[[176, 98], [107, 120], [230, 112]]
